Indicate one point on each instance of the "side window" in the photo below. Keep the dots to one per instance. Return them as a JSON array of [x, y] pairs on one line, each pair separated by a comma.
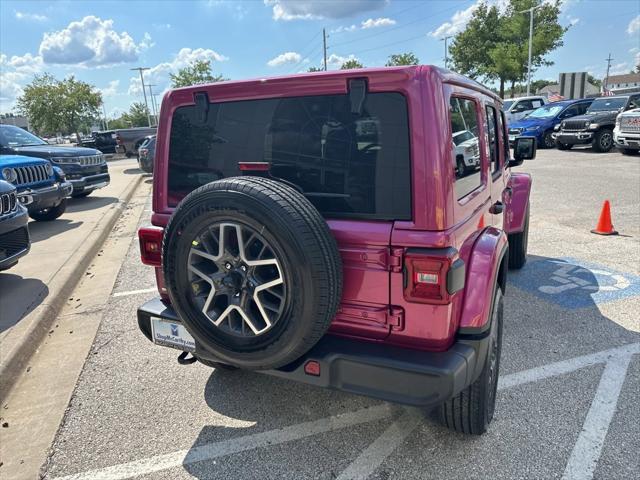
[[634, 102], [505, 137], [572, 111], [536, 103], [492, 132], [465, 151], [582, 108], [524, 105]]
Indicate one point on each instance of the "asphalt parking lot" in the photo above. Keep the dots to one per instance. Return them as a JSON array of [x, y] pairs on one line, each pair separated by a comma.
[[568, 394]]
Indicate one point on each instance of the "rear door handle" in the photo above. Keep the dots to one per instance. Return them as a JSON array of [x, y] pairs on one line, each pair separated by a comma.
[[496, 208]]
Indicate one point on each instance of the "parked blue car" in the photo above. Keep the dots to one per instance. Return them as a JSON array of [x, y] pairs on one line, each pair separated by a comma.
[[541, 122], [42, 188]]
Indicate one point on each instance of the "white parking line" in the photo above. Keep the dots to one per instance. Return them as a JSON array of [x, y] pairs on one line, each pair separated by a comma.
[[376, 453], [586, 452], [227, 447], [135, 292], [384, 445]]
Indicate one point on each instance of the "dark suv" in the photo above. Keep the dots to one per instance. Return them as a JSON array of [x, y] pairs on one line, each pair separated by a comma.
[[316, 228], [85, 168], [14, 232], [596, 126]]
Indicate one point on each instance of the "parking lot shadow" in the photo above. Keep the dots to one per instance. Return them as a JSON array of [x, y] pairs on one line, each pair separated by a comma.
[[89, 203], [552, 313], [44, 230], [18, 297], [132, 171]]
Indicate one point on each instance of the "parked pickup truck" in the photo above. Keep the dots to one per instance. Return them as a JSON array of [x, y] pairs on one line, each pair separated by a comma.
[[103, 141], [129, 139], [290, 240], [626, 134], [42, 188], [14, 232], [596, 126], [85, 168]]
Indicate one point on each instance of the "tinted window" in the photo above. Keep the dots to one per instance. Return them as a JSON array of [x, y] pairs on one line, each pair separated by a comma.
[[466, 156], [492, 133], [12, 136], [347, 164]]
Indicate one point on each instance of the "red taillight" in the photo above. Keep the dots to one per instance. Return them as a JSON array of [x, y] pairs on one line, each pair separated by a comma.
[[432, 278], [312, 368], [151, 245], [254, 166]]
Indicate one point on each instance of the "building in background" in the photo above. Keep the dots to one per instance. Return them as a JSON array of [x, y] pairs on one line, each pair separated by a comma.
[[626, 83]]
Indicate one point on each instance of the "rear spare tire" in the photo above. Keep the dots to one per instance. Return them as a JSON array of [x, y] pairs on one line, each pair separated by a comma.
[[253, 271]]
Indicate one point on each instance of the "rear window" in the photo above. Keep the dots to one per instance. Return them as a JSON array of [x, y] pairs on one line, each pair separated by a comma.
[[348, 165]]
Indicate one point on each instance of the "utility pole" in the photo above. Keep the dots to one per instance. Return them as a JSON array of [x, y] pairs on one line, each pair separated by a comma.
[[144, 92], [153, 105], [606, 79], [324, 47], [530, 11], [446, 51]]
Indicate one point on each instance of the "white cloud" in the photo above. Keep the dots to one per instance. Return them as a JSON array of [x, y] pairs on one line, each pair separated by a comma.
[[159, 75], [30, 16], [311, 9], [620, 68], [111, 90], [457, 23], [378, 22], [634, 26], [338, 60], [341, 29], [285, 58], [573, 20], [91, 42], [15, 72]]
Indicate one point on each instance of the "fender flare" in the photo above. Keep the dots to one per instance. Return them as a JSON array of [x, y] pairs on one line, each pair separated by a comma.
[[487, 255], [520, 184]]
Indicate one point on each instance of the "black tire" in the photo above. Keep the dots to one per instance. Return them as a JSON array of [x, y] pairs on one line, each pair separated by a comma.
[[51, 213], [309, 266], [548, 141], [462, 168], [602, 141], [82, 194], [518, 245], [471, 411], [563, 146]]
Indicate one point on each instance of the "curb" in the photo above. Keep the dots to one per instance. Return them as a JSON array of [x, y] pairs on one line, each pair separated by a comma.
[[38, 323]]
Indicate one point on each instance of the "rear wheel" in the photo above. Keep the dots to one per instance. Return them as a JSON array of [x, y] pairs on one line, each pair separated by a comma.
[[253, 271], [471, 411], [548, 141], [518, 245], [462, 168], [603, 141], [51, 213]]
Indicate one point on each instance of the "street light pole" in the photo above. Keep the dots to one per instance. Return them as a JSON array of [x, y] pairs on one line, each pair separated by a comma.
[[446, 51], [106, 122], [530, 11], [144, 92], [153, 104]]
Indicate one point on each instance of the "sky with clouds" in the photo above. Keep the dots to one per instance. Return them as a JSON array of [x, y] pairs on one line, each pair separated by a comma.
[[100, 41]]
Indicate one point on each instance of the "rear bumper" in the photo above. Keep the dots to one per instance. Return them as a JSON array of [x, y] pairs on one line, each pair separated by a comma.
[[577, 138], [47, 197], [377, 370]]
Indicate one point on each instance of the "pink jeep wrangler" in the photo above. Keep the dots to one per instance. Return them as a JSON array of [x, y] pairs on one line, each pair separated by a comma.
[[317, 227]]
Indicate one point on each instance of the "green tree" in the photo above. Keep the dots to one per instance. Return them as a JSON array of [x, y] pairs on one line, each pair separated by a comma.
[[137, 116], [196, 73], [63, 106], [351, 63], [315, 69], [594, 81], [494, 46], [402, 59]]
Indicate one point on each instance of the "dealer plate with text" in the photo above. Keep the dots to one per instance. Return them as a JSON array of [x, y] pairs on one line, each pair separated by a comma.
[[170, 334]]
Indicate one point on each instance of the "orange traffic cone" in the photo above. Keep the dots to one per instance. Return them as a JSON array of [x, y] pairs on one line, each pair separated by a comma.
[[605, 227]]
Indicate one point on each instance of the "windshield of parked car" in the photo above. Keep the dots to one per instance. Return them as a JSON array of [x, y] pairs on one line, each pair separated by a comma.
[[607, 104], [548, 111], [11, 136], [463, 136], [507, 104]]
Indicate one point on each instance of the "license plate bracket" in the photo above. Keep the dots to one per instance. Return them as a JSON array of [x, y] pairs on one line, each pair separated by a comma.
[[171, 334]]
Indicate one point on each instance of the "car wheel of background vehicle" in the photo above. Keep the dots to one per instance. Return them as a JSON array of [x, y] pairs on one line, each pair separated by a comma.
[[548, 140], [253, 271], [471, 411], [51, 213], [603, 141], [563, 146], [462, 168], [518, 245], [82, 194]]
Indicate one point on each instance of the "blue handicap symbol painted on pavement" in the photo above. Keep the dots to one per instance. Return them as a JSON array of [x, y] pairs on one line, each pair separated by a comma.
[[572, 283]]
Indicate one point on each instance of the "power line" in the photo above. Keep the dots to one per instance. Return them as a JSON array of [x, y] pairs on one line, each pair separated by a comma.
[[302, 57]]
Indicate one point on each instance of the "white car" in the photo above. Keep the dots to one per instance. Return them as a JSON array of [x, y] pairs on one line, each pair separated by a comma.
[[467, 151], [516, 108], [626, 134]]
